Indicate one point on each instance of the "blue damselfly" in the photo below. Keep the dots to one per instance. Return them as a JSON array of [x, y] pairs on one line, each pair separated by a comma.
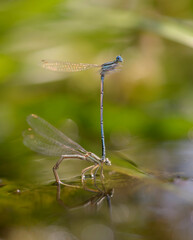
[[75, 67]]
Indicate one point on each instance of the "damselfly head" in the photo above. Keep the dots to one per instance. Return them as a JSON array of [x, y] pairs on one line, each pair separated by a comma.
[[107, 162], [119, 59]]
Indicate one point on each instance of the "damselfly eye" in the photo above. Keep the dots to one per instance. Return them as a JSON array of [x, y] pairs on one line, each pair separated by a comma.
[[107, 162], [119, 59]]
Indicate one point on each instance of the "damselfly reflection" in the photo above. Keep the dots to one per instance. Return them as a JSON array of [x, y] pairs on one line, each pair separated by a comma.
[[95, 202], [75, 67], [43, 138]]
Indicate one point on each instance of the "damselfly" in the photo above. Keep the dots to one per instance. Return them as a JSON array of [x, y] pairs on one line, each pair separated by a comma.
[[43, 138], [73, 67]]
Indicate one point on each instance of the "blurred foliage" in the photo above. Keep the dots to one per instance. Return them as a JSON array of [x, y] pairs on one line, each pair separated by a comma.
[[148, 114]]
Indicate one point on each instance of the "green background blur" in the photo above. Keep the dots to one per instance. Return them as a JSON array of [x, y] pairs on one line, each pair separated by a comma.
[[151, 97]]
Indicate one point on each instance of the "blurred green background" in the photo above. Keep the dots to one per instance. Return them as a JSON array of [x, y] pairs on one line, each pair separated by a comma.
[[150, 98], [148, 102]]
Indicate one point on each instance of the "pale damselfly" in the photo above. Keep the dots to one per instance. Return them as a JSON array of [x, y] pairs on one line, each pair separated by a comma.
[[75, 67], [44, 138]]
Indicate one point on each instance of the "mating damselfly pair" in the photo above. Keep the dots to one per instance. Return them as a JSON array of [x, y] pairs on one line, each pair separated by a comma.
[[46, 139]]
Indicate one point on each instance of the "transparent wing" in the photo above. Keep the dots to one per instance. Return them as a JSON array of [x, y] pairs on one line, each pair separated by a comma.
[[46, 146], [47, 131], [66, 66]]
